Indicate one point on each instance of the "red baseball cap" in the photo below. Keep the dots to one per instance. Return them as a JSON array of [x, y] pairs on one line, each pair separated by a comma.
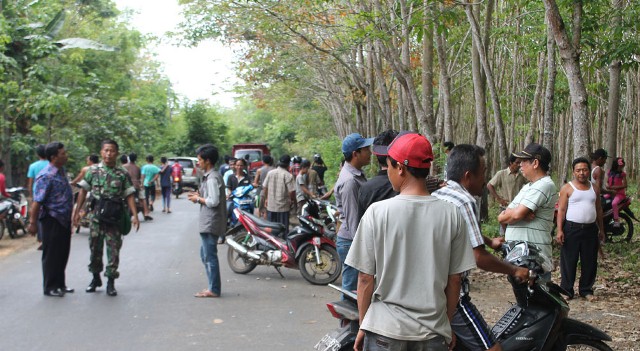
[[411, 149]]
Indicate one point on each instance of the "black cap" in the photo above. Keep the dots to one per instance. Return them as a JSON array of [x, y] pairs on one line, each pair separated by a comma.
[[599, 154], [536, 152], [284, 160]]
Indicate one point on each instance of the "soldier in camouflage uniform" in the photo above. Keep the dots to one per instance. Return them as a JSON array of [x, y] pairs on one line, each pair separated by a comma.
[[108, 180]]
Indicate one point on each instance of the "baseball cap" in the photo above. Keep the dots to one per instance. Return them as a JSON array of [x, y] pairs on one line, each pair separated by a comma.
[[353, 142], [600, 153], [411, 149], [535, 151]]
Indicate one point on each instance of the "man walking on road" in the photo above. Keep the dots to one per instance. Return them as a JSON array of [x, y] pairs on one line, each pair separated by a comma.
[[52, 207], [529, 216], [410, 251], [135, 174], [213, 217], [357, 154], [110, 186], [280, 192], [150, 173], [506, 183], [580, 230], [466, 169]]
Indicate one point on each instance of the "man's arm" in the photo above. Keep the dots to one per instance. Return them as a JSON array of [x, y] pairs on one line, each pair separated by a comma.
[[488, 262], [134, 211], [452, 293], [82, 196], [350, 205], [513, 215], [80, 176], [33, 217], [494, 194], [599, 220], [366, 285], [29, 188], [563, 203]]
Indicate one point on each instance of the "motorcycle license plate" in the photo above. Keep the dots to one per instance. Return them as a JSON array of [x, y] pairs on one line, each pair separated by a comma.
[[328, 343]]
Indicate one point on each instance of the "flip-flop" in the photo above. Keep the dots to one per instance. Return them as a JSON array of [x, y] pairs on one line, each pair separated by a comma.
[[148, 218], [206, 293]]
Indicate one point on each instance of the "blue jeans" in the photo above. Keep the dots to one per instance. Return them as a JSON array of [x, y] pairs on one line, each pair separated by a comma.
[[209, 256], [349, 274]]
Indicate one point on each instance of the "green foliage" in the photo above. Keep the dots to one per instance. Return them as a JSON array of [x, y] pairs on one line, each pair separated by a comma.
[[204, 126]]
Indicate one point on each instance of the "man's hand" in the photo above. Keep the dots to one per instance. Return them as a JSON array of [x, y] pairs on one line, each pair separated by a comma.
[[503, 202], [496, 243], [560, 237], [136, 222], [452, 344], [359, 343], [32, 228], [522, 275]]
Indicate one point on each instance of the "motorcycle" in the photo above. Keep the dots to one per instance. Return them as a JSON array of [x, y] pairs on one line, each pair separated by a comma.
[[176, 187], [537, 321], [14, 213], [260, 242], [241, 197], [625, 230], [324, 211]]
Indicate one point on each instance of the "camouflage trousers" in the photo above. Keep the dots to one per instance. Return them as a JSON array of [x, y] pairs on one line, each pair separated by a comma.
[[98, 236]]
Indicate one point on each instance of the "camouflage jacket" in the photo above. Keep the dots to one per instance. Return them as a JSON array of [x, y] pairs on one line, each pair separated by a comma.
[[101, 181]]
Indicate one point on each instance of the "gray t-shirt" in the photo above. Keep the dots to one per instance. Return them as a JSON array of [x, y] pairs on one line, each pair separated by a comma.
[[541, 198], [411, 244]]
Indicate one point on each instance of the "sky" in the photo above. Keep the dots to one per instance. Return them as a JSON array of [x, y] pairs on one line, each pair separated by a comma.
[[203, 72]]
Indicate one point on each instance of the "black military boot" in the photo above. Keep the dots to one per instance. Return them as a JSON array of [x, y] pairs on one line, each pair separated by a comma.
[[111, 287], [96, 282]]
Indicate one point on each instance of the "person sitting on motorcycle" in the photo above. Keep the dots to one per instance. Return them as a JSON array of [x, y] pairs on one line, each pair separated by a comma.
[[238, 178], [3, 185], [617, 181], [302, 188]]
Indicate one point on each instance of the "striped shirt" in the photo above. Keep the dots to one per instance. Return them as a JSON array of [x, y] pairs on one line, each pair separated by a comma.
[[466, 204]]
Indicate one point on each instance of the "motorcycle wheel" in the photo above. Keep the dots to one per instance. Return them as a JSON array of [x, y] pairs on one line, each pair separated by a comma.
[[319, 274], [237, 263], [15, 230], [584, 345], [625, 226]]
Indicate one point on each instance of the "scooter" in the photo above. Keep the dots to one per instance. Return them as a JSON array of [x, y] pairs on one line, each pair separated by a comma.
[[260, 242], [241, 197], [14, 213], [538, 321], [625, 230], [176, 187]]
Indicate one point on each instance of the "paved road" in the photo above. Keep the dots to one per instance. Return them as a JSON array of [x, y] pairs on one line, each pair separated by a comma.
[[155, 310]]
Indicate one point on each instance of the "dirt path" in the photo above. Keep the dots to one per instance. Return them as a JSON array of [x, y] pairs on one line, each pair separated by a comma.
[[9, 246], [615, 312]]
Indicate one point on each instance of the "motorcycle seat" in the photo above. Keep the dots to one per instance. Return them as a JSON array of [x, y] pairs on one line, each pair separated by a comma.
[[274, 226]]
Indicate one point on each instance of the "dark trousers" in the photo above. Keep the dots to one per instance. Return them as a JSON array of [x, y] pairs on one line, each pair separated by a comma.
[[56, 243], [580, 243], [279, 217]]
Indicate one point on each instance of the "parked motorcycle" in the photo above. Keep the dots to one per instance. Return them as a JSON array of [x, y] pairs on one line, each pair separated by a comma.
[[14, 212], [625, 230], [242, 197], [260, 242], [324, 211], [538, 321]]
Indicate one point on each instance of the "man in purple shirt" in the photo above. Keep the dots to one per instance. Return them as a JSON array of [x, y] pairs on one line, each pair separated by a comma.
[[52, 206]]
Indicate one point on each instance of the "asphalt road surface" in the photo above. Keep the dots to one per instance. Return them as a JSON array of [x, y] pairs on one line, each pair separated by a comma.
[[160, 270]]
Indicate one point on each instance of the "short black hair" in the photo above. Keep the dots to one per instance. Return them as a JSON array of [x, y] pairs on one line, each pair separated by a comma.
[[40, 151], [267, 160], [227, 158], [416, 172], [133, 157], [109, 142], [94, 158], [448, 145], [149, 158], [163, 159], [244, 161], [124, 159], [305, 163], [512, 158], [284, 161], [385, 138], [580, 160], [208, 152], [463, 158], [52, 149]]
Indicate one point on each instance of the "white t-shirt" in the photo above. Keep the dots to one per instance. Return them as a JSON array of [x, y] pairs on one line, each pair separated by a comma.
[[411, 244], [541, 198]]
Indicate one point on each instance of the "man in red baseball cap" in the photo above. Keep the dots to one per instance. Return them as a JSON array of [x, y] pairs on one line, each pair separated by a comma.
[[410, 251]]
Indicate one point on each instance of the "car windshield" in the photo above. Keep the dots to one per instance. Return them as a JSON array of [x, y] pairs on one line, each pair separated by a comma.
[[254, 155]]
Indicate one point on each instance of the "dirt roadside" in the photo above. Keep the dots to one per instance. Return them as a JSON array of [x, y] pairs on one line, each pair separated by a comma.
[[9, 246]]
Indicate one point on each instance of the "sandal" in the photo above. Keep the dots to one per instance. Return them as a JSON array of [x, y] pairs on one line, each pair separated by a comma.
[[148, 218], [206, 293]]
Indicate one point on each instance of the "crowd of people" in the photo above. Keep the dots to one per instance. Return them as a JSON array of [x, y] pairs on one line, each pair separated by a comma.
[[407, 242]]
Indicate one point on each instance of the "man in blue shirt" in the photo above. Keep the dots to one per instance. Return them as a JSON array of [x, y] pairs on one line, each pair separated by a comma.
[[32, 173], [52, 207]]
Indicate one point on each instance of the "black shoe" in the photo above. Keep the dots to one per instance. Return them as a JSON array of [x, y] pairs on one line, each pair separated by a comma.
[[69, 290], [221, 240], [95, 282], [54, 292], [111, 288]]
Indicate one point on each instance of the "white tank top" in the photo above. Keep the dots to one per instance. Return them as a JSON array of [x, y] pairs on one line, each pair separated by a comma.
[[582, 205]]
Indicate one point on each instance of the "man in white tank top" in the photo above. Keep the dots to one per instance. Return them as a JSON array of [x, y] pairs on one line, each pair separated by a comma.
[[579, 230], [598, 159]]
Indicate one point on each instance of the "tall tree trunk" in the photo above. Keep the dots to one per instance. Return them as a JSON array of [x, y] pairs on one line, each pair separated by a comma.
[[445, 86], [549, 95], [428, 122], [479, 94], [613, 105], [570, 54], [500, 136], [535, 110]]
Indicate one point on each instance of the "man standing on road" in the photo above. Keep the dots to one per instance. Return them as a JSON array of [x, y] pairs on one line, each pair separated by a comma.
[[410, 251], [150, 173], [261, 174], [213, 217], [52, 206], [579, 219], [135, 174], [357, 154], [506, 183], [280, 192], [106, 181], [35, 168], [379, 187], [529, 216], [466, 169]]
